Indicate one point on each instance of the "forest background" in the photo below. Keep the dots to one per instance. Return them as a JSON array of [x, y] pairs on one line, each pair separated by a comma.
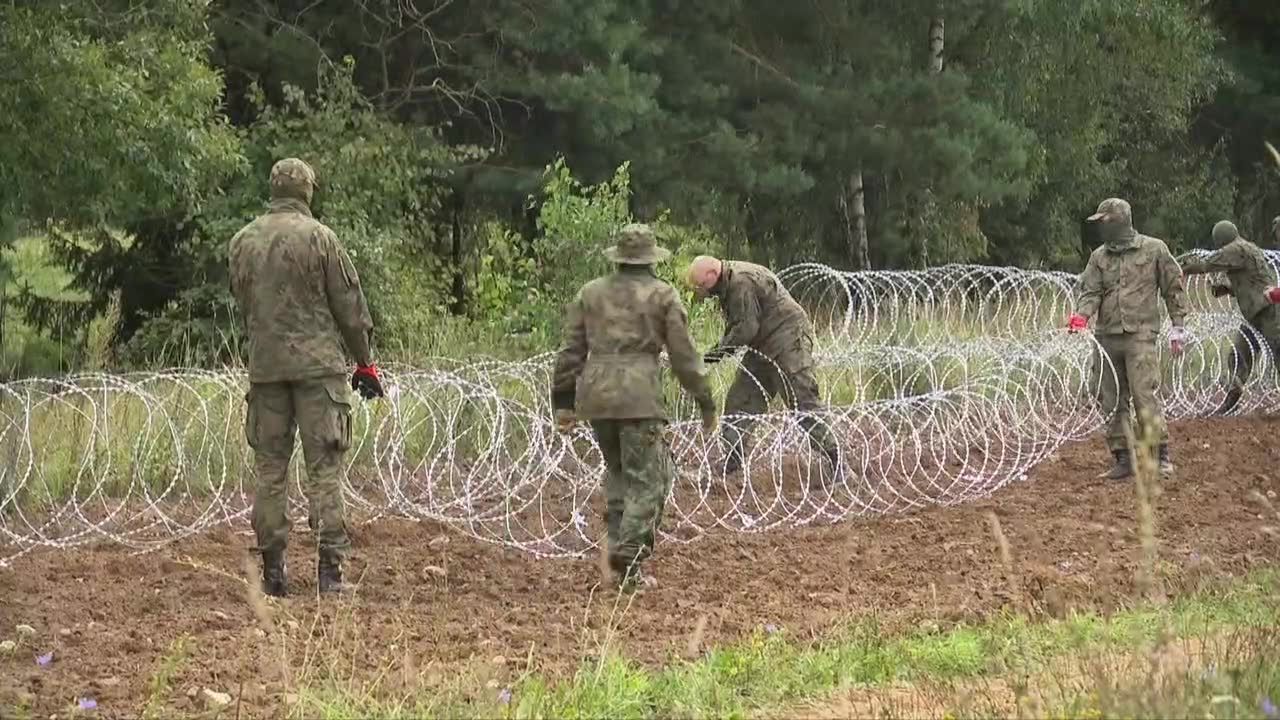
[[474, 156]]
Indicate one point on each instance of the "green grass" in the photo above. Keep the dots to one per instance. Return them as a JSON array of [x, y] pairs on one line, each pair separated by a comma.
[[773, 672]]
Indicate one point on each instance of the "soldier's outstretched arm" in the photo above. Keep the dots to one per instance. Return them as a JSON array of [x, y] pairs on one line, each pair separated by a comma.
[[571, 358], [1170, 281], [1229, 258], [1089, 290], [346, 300], [685, 361]]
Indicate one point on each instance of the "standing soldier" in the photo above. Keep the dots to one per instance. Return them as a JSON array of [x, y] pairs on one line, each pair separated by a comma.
[[1249, 276], [609, 374], [301, 302], [761, 315], [1120, 289]]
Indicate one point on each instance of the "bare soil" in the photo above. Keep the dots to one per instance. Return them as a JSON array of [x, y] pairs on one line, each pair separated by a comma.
[[433, 604]]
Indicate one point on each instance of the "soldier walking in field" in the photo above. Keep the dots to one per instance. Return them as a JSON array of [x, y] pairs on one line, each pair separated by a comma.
[[1249, 276], [302, 306], [761, 315], [1120, 290], [608, 373]]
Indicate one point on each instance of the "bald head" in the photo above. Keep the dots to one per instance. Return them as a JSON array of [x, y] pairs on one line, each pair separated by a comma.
[[703, 274]]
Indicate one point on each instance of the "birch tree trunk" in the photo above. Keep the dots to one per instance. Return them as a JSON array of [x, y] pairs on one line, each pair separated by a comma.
[[854, 209], [936, 37]]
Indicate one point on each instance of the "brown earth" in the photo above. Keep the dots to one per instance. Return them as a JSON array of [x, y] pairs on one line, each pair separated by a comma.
[[433, 604]]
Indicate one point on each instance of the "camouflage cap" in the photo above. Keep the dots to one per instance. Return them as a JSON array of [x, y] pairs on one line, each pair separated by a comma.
[[1224, 231], [294, 178], [636, 244], [1114, 208]]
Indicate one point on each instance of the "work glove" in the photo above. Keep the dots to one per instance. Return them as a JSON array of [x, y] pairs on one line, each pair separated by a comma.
[[715, 355], [1177, 340], [1076, 323], [1221, 290], [1272, 295], [565, 420], [365, 381]]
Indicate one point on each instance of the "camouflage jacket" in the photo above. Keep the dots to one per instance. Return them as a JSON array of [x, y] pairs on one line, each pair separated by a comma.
[[1121, 289], [759, 313], [299, 296], [614, 331], [1247, 270]]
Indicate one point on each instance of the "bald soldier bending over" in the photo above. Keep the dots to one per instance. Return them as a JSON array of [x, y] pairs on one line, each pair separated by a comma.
[[761, 315]]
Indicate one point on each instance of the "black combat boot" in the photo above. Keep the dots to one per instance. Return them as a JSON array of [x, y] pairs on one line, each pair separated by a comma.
[[274, 580], [329, 573], [630, 579], [1122, 468], [1166, 465], [1230, 401], [733, 463]]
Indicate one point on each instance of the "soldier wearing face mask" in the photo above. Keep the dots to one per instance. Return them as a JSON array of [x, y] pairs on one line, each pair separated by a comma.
[[1120, 291]]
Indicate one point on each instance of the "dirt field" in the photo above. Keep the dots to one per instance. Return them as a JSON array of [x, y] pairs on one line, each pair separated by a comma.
[[433, 603]]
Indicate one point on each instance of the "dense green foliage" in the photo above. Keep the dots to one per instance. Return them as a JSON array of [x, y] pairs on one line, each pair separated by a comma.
[[474, 156]]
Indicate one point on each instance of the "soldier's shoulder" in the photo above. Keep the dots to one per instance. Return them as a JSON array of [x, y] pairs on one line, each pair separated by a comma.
[[662, 291], [593, 287], [1153, 243]]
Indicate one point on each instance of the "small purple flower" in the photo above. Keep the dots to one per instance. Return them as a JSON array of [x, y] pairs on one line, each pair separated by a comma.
[[44, 659], [1270, 710], [770, 629], [88, 703], [504, 696]]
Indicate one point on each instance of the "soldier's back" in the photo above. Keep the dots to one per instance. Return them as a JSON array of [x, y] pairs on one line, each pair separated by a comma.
[[779, 311], [625, 321], [278, 277]]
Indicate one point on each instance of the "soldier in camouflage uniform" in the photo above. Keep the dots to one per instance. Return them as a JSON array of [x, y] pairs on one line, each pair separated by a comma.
[[608, 373], [761, 315], [1249, 276], [302, 306], [1120, 290]]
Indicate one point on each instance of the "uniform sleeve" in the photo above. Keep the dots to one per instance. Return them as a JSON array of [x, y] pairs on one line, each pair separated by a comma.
[[742, 317], [572, 357], [1229, 258], [1170, 280], [1089, 289], [233, 278], [346, 300], [686, 363]]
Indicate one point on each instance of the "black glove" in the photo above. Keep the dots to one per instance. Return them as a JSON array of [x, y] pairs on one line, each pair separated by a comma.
[[365, 380], [1221, 290], [715, 355]]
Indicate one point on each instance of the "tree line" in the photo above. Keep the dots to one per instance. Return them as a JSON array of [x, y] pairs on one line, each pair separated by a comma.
[[469, 152]]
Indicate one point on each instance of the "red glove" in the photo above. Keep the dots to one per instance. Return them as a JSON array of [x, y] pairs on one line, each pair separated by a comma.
[[365, 380], [1273, 295], [1076, 323]]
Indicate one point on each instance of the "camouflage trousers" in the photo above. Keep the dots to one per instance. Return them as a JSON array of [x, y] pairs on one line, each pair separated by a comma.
[[1137, 379], [1245, 344], [791, 375], [638, 479], [320, 412]]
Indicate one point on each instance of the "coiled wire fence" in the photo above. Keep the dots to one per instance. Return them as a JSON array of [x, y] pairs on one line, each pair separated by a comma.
[[941, 386]]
